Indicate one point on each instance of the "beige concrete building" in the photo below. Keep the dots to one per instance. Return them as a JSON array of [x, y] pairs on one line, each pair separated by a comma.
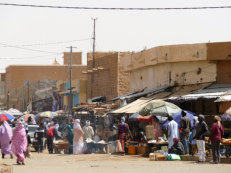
[[2, 89], [106, 78], [178, 65], [78, 90], [17, 77]]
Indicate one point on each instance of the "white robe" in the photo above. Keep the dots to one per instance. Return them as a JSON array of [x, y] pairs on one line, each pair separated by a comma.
[[173, 132]]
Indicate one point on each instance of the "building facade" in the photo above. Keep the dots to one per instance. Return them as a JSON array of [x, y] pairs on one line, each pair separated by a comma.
[[105, 77], [196, 76], [19, 77], [178, 65]]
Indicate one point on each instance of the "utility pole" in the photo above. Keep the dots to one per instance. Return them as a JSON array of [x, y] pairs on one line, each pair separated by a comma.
[[93, 55], [70, 79], [7, 99], [28, 92]]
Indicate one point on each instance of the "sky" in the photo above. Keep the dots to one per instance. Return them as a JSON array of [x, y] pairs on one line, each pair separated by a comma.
[[39, 35]]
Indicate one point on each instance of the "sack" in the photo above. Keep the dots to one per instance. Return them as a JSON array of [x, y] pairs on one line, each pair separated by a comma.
[[119, 146], [173, 157]]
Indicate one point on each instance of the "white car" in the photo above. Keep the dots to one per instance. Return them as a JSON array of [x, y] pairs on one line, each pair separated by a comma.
[[31, 132]]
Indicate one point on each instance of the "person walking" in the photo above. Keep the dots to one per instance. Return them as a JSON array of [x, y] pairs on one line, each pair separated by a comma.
[[51, 134], [193, 134], [123, 129], [186, 127], [78, 138], [216, 132], [67, 132], [69, 137], [19, 143], [39, 134], [88, 131], [173, 131], [201, 132], [56, 124], [5, 138]]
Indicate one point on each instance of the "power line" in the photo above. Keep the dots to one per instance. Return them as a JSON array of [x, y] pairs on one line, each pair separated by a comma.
[[35, 50], [31, 57], [51, 43], [102, 8]]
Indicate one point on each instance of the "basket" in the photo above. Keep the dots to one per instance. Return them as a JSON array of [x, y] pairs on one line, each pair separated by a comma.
[[226, 143], [62, 146], [161, 158]]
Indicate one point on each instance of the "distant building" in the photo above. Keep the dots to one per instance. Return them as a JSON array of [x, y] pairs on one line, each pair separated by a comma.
[[2, 89], [21, 76]]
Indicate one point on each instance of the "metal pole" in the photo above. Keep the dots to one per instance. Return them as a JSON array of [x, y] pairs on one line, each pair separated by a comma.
[[28, 92], [94, 36], [8, 94], [70, 80], [93, 56]]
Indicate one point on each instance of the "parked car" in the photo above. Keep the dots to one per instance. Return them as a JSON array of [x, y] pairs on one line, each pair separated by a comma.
[[31, 132]]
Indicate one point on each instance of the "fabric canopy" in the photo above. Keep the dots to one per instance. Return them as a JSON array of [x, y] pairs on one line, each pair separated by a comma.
[[177, 117], [159, 108], [137, 117]]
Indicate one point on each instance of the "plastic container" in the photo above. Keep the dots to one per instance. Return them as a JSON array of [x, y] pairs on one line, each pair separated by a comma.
[[112, 146], [131, 149], [161, 157], [152, 157], [134, 143]]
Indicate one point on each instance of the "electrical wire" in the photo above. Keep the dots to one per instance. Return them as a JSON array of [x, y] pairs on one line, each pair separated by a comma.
[[51, 43], [126, 9], [35, 50], [32, 57]]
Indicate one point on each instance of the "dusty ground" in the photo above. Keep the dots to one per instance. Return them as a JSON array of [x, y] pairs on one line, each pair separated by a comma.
[[103, 163]]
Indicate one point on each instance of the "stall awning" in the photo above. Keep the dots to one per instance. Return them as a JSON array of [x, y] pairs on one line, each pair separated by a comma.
[[159, 93], [133, 107], [142, 93], [214, 91], [224, 98], [67, 91]]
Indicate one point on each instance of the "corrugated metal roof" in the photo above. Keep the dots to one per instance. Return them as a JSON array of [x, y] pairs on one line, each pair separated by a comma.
[[187, 92], [212, 91], [225, 98], [215, 88], [141, 94]]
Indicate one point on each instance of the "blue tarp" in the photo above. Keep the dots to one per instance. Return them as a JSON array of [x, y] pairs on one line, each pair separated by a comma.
[[177, 117]]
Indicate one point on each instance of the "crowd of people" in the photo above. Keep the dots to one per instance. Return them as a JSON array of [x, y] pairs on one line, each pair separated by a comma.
[[16, 140], [179, 139], [13, 141], [188, 139]]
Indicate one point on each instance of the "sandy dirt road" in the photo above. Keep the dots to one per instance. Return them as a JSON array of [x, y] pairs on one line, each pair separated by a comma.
[[103, 163]]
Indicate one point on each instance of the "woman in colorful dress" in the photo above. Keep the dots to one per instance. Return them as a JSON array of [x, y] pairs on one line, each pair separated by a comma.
[[5, 138], [123, 129], [19, 143]]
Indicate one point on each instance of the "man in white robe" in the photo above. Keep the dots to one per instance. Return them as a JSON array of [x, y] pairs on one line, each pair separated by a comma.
[[173, 131]]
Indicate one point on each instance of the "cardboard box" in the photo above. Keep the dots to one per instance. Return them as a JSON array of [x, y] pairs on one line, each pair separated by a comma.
[[150, 132]]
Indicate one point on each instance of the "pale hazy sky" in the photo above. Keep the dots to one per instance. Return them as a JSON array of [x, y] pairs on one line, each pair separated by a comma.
[[115, 30]]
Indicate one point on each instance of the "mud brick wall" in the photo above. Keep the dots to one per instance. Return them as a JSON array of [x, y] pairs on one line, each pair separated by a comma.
[[109, 82]]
